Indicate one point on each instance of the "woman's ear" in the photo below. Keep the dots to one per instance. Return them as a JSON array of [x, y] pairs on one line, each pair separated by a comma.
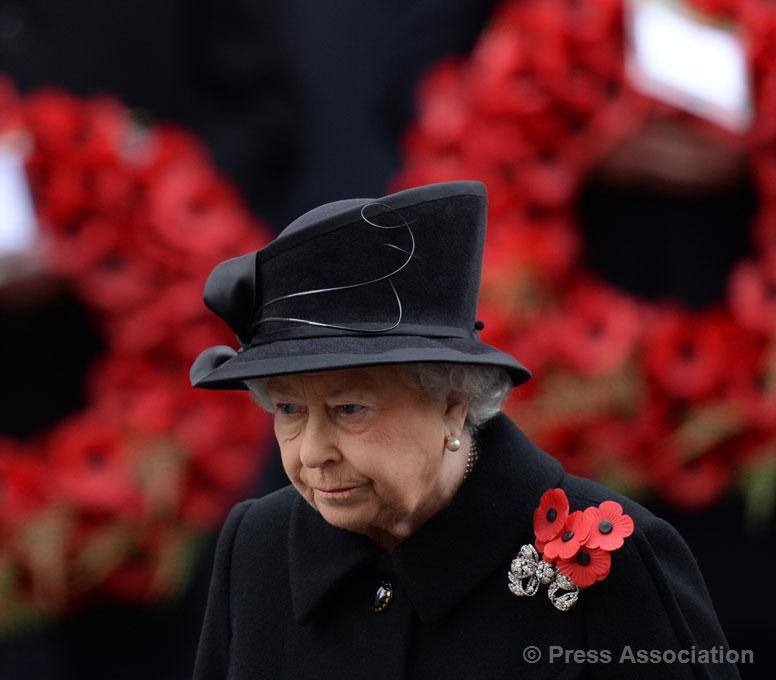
[[455, 414]]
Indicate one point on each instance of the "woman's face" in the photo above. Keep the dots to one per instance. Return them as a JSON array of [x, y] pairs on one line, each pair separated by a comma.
[[366, 450]]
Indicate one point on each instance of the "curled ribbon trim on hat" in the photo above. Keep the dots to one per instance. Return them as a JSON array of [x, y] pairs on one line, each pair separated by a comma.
[[352, 285]]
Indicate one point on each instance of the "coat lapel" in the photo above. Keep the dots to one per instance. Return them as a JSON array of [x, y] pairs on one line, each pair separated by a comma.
[[321, 557]]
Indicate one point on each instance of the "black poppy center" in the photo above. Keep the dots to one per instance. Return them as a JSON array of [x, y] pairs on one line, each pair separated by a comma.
[[596, 329], [567, 536], [605, 527], [552, 515], [583, 558], [95, 459]]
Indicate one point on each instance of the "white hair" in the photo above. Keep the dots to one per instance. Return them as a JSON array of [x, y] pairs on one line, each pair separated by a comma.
[[483, 387]]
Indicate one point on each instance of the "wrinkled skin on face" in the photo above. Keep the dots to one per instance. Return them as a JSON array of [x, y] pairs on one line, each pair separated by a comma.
[[366, 450]]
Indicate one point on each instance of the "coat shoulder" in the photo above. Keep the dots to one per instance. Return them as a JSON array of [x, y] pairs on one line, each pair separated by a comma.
[[270, 511], [655, 596], [651, 534], [583, 492], [261, 522]]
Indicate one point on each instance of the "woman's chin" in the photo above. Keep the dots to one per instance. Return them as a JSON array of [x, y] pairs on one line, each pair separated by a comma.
[[352, 516], [351, 521]]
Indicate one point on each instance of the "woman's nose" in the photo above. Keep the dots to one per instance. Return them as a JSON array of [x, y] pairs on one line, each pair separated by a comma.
[[319, 442]]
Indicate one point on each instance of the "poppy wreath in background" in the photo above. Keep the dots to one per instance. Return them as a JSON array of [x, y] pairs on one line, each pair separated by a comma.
[[113, 501], [646, 397]]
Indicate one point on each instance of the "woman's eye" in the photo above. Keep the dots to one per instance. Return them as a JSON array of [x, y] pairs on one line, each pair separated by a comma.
[[351, 409], [287, 409]]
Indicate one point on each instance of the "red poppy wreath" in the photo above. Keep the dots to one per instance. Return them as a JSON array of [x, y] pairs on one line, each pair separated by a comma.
[[647, 397], [112, 501]]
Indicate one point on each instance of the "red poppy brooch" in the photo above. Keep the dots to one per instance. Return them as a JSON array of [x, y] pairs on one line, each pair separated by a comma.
[[575, 548]]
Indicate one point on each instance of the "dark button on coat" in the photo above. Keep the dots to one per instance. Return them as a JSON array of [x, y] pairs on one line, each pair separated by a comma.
[[292, 596]]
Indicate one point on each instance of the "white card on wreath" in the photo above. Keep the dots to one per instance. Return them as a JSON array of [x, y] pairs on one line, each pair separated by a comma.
[[18, 226], [690, 60]]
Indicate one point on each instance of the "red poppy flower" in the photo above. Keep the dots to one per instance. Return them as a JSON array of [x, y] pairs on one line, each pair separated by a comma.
[[55, 117], [598, 330], [202, 506], [551, 515], [92, 466], [105, 128], [187, 207], [752, 294], [119, 283], [687, 354], [95, 240], [693, 484], [547, 184], [61, 190], [24, 482], [609, 527], [747, 385], [524, 247], [573, 535], [498, 56], [227, 461], [495, 142], [536, 352], [157, 325], [112, 190], [554, 245], [717, 8], [587, 567], [444, 119], [570, 444]]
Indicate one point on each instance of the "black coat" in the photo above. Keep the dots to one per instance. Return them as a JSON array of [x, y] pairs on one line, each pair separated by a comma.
[[291, 596]]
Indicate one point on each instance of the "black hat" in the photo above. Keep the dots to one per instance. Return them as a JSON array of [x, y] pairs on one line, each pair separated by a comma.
[[359, 282]]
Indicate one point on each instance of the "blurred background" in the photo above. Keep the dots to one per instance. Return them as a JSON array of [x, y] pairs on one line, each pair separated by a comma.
[[629, 149]]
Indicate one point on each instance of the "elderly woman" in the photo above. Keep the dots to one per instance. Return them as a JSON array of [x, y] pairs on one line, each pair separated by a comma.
[[423, 535]]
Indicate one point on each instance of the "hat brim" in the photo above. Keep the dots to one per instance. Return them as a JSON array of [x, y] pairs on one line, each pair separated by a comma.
[[222, 368]]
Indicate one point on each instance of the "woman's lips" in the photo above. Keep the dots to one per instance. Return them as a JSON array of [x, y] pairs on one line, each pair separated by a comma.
[[338, 491]]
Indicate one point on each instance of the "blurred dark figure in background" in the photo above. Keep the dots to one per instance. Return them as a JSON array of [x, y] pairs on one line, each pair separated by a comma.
[[353, 66], [206, 65], [300, 102]]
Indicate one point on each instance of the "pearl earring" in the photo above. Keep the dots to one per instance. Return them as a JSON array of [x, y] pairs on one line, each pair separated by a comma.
[[452, 443]]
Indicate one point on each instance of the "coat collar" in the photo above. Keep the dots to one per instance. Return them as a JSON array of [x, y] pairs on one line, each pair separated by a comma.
[[490, 517]]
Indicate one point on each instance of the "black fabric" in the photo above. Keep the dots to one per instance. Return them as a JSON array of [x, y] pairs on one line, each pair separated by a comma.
[[291, 596], [396, 264], [295, 356], [40, 387], [438, 287], [234, 302], [657, 246]]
